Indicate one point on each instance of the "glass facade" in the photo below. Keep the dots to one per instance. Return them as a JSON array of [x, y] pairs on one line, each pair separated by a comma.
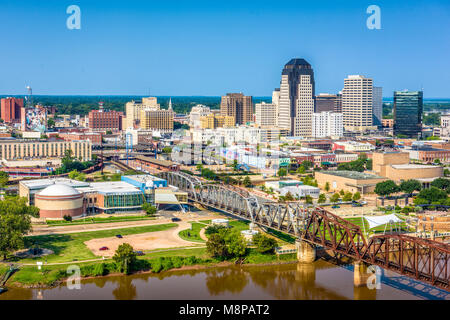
[[123, 200], [408, 108]]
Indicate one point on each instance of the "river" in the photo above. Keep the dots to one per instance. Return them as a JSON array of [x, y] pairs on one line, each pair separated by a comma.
[[318, 281]]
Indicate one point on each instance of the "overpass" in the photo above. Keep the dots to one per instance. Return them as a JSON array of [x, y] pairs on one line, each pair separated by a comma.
[[417, 258]]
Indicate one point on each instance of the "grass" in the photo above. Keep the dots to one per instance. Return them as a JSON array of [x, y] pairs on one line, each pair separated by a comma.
[[198, 252], [192, 234], [55, 223], [379, 229], [68, 247], [254, 257]]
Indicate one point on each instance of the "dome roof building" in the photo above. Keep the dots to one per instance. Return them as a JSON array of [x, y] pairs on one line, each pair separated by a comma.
[[59, 200]]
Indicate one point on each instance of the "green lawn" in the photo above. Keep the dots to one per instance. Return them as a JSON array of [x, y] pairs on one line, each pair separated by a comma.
[[91, 220], [379, 229], [192, 234], [68, 247], [186, 252]]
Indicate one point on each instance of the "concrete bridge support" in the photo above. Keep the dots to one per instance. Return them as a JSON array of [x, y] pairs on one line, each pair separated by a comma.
[[306, 252], [360, 275]]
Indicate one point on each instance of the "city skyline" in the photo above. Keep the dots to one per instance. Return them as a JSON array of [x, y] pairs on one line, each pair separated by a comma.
[[154, 49]]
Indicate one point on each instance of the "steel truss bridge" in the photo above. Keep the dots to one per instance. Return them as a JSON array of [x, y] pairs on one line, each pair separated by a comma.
[[417, 258]]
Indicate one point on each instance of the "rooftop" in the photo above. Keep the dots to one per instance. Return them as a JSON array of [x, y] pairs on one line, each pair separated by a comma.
[[110, 187], [353, 175], [59, 190], [412, 166], [42, 183]]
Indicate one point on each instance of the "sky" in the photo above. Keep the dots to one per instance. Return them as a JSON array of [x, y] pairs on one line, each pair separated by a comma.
[[210, 48]]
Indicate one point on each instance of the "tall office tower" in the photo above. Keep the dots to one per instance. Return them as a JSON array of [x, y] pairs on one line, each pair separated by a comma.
[[160, 120], [357, 104], [11, 109], [134, 108], [338, 106], [327, 124], [238, 106], [266, 114], [325, 102], [297, 90], [408, 108], [377, 106], [276, 97]]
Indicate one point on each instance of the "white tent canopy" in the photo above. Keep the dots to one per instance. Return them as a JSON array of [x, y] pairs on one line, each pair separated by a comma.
[[375, 221]]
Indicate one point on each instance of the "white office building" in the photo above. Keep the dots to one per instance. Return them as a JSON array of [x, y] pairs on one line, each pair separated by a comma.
[[327, 124]]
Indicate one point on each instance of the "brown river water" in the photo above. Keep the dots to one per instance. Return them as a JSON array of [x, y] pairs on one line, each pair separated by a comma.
[[318, 281]]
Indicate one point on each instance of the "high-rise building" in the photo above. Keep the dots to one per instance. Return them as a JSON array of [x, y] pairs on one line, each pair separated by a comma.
[[377, 106], [327, 124], [238, 106], [196, 113], [408, 108], [133, 110], [338, 107], [11, 109], [266, 114], [357, 103], [161, 120], [325, 102], [297, 91]]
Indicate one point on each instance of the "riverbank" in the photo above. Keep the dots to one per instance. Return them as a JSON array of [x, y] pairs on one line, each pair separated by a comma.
[[52, 276]]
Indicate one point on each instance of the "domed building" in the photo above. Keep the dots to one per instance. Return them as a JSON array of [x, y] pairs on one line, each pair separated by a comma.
[[59, 200]]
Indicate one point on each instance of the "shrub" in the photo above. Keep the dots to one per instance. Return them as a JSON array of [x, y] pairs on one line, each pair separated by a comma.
[[178, 262], [99, 269], [67, 218]]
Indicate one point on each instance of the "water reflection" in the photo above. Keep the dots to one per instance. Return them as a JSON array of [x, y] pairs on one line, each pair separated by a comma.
[[318, 281]]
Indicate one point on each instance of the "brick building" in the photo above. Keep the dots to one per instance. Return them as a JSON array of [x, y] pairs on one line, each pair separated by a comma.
[[11, 109], [105, 120]]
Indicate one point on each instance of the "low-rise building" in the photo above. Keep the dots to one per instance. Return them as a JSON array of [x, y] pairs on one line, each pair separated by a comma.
[[352, 181]]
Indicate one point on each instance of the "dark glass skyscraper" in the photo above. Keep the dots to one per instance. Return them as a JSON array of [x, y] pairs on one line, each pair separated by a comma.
[[408, 108]]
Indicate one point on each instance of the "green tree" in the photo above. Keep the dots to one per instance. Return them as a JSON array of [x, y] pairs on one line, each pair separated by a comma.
[[322, 198], [125, 258], [216, 247], [149, 208], [356, 196], [15, 222], [432, 195], [308, 199], [4, 178], [348, 196], [327, 186], [289, 197], [342, 192], [335, 198], [441, 183], [386, 188], [264, 244], [307, 164], [50, 123], [236, 243], [167, 150], [247, 182], [409, 186], [301, 170], [282, 172]]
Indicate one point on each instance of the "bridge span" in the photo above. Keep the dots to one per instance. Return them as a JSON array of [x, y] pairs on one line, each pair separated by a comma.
[[417, 258]]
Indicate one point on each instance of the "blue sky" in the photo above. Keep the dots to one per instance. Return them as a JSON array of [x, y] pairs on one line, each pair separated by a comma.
[[214, 47]]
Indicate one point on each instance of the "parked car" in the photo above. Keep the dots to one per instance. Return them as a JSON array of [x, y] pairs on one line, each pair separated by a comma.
[[119, 236], [139, 253], [104, 248], [335, 207], [176, 219]]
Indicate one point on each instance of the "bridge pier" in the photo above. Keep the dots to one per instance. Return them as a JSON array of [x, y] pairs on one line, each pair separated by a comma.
[[360, 275], [306, 252]]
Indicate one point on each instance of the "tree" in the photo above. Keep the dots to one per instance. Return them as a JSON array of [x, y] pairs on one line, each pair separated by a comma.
[[149, 208], [347, 197], [288, 196], [327, 186], [247, 182], [301, 170], [216, 247], [15, 222], [308, 199], [441, 183], [167, 150], [236, 243], [335, 198], [4, 178], [356, 196], [125, 258], [307, 164], [322, 198], [431, 195], [264, 244], [386, 188], [50, 123], [342, 192], [411, 185], [282, 172]]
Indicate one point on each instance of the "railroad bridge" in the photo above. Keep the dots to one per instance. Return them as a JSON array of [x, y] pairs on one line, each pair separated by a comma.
[[417, 258]]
